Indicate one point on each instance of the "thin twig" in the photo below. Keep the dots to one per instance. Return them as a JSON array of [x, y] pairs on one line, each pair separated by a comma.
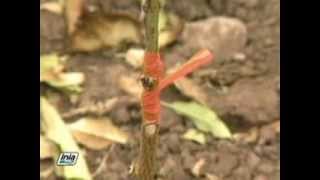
[[103, 163], [99, 108]]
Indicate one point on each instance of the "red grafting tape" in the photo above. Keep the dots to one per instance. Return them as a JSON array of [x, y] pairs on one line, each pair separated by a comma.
[[153, 65], [151, 106], [201, 58]]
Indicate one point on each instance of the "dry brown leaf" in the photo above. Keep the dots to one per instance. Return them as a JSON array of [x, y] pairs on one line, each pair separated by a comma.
[[276, 126], [190, 89], [212, 177], [73, 12], [51, 72], [91, 141], [54, 7], [47, 148], [99, 31], [196, 170], [98, 109], [55, 129], [97, 133], [130, 85], [195, 135], [47, 172], [248, 137]]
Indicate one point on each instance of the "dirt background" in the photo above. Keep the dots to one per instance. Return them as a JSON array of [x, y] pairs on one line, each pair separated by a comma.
[[243, 90]]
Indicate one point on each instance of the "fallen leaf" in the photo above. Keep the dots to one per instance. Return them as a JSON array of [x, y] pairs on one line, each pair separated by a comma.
[[166, 38], [203, 118], [47, 148], [51, 72], [54, 7], [73, 11], [56, 130], [134, 57], [195, 135], [97, 133], [47, 172], [196, 170], [130, 85], [276, 126], [68, 81], [98, 31], [212, 177], [49, 64], [99, 108], [191, 89], [91, 141], [268, 133], [248, 137]]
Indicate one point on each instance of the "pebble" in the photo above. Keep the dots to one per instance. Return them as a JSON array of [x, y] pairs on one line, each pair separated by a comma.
[[260, 177], [266, 167], [224, 36], [253, 160]]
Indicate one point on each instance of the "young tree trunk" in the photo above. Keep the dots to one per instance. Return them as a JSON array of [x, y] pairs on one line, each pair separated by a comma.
[[154, 81], [144, 167]]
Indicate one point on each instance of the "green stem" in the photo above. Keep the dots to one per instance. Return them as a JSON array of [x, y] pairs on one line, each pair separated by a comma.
[[152, 9]]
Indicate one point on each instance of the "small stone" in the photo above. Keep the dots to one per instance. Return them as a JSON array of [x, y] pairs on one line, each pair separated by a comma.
[[268, 42], [253, 160], [52, 26], [239, 57], [249, 3], [187, 160], [198, 167], [260, 177], [180, 174], [223, 163], [254, 102], [267, 135], [134, 57], [224, 36], [190, 9], [242, 172], [212, 177], [266, 167], [173, 143], [167, 166]]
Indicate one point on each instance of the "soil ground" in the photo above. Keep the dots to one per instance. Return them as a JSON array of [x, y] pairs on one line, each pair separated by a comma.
[[244, 106]]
